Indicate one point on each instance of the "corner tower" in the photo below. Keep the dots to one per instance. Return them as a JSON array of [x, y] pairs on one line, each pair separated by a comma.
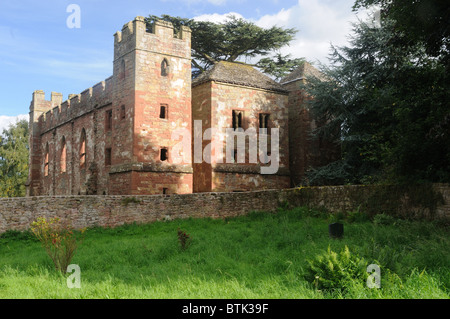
[[152, 92]]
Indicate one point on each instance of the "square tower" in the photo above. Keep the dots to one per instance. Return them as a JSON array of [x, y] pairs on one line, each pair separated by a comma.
[[152, 90], [246, 114]]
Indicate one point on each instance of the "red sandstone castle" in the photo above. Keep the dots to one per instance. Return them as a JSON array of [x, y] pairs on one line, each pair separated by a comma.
[[123, 135]]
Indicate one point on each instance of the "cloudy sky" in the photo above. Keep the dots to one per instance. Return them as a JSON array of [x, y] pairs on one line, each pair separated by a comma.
[[39, 51]]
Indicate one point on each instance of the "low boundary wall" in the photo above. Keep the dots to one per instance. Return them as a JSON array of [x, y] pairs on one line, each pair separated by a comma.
[[425, 201]]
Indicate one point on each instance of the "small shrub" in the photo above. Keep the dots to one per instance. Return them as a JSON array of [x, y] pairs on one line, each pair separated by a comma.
[[283, 205], [184, 239], [383, 219], [58, 239], [336, 217], [357, 216], [333, 270]]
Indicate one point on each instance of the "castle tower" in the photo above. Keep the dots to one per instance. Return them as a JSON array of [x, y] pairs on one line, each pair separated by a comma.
[[305, 152], [38, 108], [152, 99], [237, 97]]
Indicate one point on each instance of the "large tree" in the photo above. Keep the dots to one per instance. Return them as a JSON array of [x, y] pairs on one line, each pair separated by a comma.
[[14, 160], [424, 21], [232, 40], [389, 102]]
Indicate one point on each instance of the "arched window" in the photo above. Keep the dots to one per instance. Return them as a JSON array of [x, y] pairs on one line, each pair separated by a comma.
[[122, 70], [46, 160], [237, 117], [63, 158], [83, 149], [123, 114], [164, 67]]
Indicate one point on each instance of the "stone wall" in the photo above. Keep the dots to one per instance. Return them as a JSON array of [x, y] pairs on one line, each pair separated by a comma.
[[115, 210], [214, 104], [305, 152], [117, 124]]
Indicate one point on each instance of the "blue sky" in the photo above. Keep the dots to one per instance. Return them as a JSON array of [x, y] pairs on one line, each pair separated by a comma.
[[38, 51]]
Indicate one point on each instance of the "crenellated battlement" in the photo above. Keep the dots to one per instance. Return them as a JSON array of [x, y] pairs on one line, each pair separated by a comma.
[[77, 142], [160, 37], [55, 112], [159, 27]]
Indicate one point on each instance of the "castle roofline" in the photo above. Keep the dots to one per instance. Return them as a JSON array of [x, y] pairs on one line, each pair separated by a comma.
[[239, 74], [302, 72]]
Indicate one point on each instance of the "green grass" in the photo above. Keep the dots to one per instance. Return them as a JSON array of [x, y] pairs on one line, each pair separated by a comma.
[[260, 255]]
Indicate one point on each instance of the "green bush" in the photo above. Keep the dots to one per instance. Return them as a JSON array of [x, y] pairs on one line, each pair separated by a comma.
[[333, 270], [357, 216], [383, 219]]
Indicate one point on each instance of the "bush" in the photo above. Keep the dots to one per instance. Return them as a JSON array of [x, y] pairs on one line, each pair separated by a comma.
[[58, 239], [357, 216], [383, 219], [333, 270]]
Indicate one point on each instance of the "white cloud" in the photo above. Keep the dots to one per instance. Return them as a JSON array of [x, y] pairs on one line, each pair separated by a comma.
[[320, 23], [280, 19], [217, 18], [213, 2], [217, 2], [6, 121]]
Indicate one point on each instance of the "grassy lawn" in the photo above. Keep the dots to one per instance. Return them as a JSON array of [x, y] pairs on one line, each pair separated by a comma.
[[261, 255]]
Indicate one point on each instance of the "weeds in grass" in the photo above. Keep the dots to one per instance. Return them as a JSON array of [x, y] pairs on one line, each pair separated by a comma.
[[259, 255], [184, 239], [383, 219]]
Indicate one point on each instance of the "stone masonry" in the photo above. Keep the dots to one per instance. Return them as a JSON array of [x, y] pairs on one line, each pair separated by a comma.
[[117, 137], [116, 210]]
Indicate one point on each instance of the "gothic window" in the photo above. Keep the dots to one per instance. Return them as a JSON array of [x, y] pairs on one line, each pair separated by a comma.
[[122, 70], [83, 149], [107, 156], [122, 112], [108, 120], [164, 67], [238, 117], [46, 160], [63, 158], [264, 122]]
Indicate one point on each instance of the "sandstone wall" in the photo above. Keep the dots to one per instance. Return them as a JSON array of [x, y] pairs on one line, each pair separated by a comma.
[[111, 211]]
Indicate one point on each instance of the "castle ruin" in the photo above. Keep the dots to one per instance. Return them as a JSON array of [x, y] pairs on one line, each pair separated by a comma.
[[117, 137]]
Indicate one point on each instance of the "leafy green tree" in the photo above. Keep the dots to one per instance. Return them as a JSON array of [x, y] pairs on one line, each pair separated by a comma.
[[388, 105], [232, 40], [14, 152]]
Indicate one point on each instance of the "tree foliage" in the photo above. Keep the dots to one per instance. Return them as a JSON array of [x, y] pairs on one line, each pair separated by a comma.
[[389, 101], [279, 66], [232, 40], [14, 160], [424, 21]]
